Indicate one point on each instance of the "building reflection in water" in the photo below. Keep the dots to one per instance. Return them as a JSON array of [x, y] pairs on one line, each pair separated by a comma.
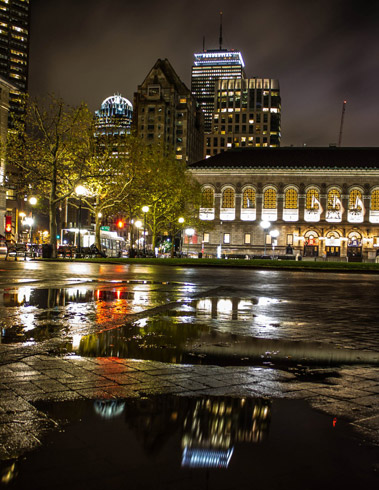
[[215, 425], [210, 428]]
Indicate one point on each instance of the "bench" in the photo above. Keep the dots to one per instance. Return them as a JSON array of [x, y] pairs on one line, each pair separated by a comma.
[[18, 250], [73, 252]]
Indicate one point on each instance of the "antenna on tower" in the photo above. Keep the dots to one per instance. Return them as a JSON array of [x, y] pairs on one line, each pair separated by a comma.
[[203, 44], [220, 39], [341, 126]]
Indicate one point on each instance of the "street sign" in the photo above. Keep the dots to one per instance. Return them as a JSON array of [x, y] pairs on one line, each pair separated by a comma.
[[105, 228]]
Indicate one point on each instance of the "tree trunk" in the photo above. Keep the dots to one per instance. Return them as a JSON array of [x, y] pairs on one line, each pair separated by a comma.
[[97, 230], [53, 228]]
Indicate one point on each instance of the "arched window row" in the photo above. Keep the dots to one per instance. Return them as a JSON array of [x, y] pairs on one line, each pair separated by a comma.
[[334, 209]]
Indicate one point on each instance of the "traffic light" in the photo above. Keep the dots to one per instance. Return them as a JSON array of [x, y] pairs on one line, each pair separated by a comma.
[[120, 224], [8, 224]]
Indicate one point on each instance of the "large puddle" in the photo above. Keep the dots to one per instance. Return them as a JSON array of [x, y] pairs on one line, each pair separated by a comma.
[[170, 442], [163, 322]]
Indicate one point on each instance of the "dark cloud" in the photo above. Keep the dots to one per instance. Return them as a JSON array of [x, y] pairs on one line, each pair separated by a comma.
[[321, 51]]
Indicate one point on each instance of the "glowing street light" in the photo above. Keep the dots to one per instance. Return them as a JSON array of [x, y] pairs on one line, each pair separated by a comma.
[[32, 201], [145, 210], [265, 225], [80, 191], [274, 235]]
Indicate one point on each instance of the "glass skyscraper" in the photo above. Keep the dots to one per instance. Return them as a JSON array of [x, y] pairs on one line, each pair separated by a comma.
[[14, 49], [210, 66]]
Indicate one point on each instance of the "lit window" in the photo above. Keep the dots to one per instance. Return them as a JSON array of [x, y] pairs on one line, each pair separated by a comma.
[[226, 237], [248, 198], [206, 238], [355, 199], [312, 199], [228, 198], [269, 199], [334, 199], [375, 200], [290, 200], [247, 238], [207, 198]]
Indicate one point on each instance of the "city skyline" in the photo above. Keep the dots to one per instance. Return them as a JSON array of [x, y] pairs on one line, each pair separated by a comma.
[[322, 53]]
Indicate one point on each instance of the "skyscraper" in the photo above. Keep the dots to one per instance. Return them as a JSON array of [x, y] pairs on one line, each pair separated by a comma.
[[210, 66], [166, 113], [114, 117], [246, 113], [14, 49]]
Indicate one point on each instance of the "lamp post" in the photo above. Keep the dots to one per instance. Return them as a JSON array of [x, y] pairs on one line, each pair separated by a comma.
[[265, 225], [145, 210], [274, 235], [32, 202], [189, 232], [138, 225], [80, 191], [181, 221]]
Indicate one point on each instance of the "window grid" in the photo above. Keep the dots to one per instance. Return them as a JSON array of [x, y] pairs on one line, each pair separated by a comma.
[[228, 198], [375, 200], [354, 194], [333, 195], [312, 195], [291, 199], [249, 198], [207, 198], [269, 199]]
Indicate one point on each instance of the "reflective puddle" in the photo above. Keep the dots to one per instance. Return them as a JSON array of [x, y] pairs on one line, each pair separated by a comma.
[[160, 321], [170, 442]]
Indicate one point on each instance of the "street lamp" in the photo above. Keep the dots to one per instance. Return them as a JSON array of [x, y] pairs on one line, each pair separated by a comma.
[[274, 235], [265, 225], [32, 202], [145, 210], [189, 232], [80, 191], [181, 221], [138, 225]]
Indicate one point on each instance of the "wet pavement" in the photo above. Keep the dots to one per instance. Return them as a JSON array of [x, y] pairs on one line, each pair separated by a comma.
[[75, 336]]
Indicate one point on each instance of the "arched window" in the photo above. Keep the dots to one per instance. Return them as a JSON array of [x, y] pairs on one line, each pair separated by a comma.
[[375, 200], [334, 199], [248, 198], [312, 199], [355, 199], [228, 198], [269, 198], [207, 198], [290, 199]]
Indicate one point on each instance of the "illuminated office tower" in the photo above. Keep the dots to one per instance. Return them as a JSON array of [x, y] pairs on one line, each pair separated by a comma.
[[246, 113], [14, 49], [210, 66], [114, 117]]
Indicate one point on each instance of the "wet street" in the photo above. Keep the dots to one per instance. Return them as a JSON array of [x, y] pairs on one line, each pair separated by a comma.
[[199, 370]]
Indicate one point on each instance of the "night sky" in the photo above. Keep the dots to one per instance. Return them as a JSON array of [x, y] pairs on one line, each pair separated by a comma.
[[322, 52]]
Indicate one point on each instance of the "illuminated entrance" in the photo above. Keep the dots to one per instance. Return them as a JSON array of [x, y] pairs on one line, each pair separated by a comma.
[[354, 247], [333, 244], [311, 244]]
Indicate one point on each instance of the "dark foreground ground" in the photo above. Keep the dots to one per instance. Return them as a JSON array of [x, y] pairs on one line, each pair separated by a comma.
[[196, 378]]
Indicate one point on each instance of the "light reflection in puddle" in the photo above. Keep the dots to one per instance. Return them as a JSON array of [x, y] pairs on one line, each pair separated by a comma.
[[202, 442]]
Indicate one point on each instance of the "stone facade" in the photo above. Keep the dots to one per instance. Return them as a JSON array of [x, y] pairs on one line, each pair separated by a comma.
[[165, 113], [324, 202]]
